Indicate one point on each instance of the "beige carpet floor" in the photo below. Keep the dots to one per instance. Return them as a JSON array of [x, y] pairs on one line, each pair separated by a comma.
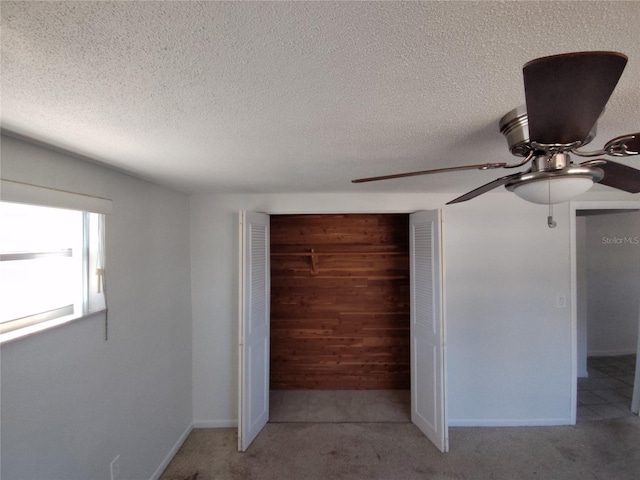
[[600, 450]]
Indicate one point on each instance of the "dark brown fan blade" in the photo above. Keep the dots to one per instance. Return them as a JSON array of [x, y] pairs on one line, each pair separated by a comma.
[[617, 175], [624, 145], [484, 188], [567, 93], [482, 166]]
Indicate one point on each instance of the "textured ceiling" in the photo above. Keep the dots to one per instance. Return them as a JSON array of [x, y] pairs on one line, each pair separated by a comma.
[[295, 96]]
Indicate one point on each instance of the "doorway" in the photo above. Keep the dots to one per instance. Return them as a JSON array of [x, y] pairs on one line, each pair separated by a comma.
[[426, 330], [340, 308], [607, 274]]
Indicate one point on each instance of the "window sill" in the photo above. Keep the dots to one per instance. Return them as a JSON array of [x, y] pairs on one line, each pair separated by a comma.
[[42, 326]]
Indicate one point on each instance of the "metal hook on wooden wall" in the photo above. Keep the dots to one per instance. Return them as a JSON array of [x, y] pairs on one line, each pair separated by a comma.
[[314, 263]]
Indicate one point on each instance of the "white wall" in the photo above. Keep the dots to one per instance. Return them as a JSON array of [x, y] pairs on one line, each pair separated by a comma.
[[613, 282], [509, 346], [509, 341], [72, 401]]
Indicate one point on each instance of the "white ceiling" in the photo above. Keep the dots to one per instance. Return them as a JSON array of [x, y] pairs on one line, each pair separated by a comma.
[[295, 96]]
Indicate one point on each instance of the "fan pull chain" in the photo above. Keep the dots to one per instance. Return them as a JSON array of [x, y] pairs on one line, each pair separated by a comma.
[[550, 221]]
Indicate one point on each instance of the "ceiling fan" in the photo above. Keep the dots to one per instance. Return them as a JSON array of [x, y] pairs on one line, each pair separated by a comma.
[[565, 96]]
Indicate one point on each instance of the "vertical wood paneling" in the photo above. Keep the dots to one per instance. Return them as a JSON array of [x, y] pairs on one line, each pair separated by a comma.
[[340, 318]]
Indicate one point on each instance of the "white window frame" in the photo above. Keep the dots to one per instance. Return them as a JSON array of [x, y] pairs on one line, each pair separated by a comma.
[[92, 298]]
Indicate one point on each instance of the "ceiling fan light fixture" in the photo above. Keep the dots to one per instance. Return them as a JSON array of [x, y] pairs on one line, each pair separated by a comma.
[[553, 190], [555, 186]]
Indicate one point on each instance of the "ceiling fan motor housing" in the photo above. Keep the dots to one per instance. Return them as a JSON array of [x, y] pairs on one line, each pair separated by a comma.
[[515, 127], [557, 161]]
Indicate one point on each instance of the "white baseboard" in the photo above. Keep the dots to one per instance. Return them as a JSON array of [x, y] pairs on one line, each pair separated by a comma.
[[520, 422], [215, 424], [172, 453], [610, 353]]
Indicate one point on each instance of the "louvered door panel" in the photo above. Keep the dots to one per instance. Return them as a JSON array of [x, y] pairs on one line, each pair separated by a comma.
[[254, 327], [428, 408]]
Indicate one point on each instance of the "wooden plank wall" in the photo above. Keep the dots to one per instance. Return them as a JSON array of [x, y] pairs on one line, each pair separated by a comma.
[[340, 315]]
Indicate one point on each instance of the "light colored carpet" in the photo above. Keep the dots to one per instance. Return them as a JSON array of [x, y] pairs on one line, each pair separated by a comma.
[[602, 450]]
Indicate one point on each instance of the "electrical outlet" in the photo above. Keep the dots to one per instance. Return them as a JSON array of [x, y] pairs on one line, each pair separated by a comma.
[[115, 468], [561, 301]]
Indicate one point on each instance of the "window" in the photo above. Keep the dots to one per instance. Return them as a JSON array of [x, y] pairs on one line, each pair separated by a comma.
[[51, 267]]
